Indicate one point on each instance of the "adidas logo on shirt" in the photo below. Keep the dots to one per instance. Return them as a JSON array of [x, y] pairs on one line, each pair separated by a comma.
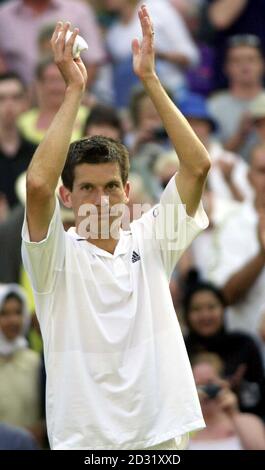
[[135, 257]]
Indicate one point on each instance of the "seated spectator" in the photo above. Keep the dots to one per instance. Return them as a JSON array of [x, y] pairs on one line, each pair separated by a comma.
[[175, 49], [147, 140], [21, 21], [244, 67], [50, 92], [19, 366], [103, 120], [204, 313], [233, 18], [15, 150], [240, 254], [14, 438], [226, 427], [228, 178]]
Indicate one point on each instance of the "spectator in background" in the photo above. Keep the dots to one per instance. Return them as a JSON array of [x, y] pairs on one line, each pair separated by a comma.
[[147, 140], [14, 438], [229, 18], [240, 254], [50, 93], [19, 366], [257, 115], [103, 120], [228, 176], [175, 49], [21, 21], [244, 67], [15, 150], [204, 313], [226, 427]]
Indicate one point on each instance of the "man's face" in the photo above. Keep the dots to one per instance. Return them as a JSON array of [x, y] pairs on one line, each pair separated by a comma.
[[201, 127], [11, 319], [148, 117], [12, 101], [51, 87], [97, 193], [244, 64], [257, 172]]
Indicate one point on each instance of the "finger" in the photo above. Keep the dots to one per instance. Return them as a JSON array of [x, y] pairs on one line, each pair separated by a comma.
[[56, 31], [136, 46], [69, 44], [147, 20]]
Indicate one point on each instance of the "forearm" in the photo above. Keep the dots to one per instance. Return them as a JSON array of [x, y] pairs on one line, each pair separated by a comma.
[[191, 152], [250, 431], [49, 159], [239, 284], [222, 13], [174, 58]]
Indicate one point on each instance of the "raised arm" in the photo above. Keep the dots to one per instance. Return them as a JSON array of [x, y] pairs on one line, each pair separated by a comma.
[[194, 162], [49, 159], [223, 13]]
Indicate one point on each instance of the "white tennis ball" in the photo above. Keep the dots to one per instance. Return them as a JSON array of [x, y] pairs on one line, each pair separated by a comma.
[[79, 45]]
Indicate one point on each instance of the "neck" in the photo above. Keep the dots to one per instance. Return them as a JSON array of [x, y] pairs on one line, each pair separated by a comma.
[[106, 245], [259, 203], [246, 90], [37, 5], [127, 13]]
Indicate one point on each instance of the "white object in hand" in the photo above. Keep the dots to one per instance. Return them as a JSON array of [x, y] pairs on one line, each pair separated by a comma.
[[78, 46]]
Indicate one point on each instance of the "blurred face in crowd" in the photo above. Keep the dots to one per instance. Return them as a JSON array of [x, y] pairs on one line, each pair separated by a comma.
[[260, 128], [12, 101], [117, 5], [204, 374], [205, 313], [201, 127], [148, 117], [103, 129], [11, 318], [51, 88], [244, 65]]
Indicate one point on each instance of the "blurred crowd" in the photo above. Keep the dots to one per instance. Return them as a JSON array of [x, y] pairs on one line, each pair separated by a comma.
[[210, 58]]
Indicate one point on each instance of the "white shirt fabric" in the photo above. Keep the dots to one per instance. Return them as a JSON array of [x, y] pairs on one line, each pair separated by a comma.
[[235, 245], [171, 35], [118, 375]]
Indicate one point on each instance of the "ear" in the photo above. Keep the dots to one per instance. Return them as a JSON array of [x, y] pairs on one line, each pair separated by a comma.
[[127, 188], [66, 197]]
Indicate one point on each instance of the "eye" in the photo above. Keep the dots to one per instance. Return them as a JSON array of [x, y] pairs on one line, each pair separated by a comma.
[[86, 187], [113, 185]]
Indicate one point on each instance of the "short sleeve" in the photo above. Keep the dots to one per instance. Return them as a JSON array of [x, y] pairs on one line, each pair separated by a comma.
[[42, 260], [172, 228]]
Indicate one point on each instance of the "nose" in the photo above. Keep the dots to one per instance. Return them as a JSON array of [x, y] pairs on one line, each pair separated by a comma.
[[101, 199]]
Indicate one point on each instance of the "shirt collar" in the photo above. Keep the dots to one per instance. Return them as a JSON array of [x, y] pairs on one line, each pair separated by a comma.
[[121, 247]]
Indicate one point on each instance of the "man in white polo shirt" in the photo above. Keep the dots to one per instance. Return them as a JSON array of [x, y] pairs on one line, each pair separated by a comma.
[[118, 375]]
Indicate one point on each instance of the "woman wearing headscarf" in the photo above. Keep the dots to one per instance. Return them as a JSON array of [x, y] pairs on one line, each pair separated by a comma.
[[19, 366]]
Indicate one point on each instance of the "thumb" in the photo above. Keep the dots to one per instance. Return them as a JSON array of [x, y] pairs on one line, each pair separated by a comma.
[[135, 46]]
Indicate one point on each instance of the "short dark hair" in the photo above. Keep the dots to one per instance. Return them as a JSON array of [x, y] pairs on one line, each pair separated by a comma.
[[12, 76], [248, 40], [102, 114], [95, 150], [194, 288]]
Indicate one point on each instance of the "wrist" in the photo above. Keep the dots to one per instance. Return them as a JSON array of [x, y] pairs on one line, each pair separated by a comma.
[[74, 90], [149, 79]]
